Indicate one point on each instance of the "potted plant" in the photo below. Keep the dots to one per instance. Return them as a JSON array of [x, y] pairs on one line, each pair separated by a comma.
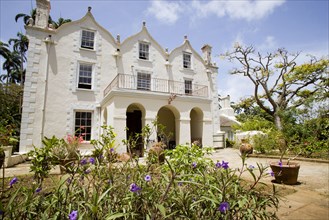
[[245, 147], [285, 171], [7, 139]]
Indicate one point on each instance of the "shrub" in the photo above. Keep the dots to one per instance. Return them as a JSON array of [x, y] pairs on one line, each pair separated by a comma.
[[187, 186]]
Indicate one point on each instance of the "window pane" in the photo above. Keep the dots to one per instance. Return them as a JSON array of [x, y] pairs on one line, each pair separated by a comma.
[[87, 39], [143, 81], [186, 60], [83, 125], [143, 51], [85, 76]]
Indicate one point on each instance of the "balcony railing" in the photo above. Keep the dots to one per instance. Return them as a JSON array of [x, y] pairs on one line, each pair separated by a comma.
[[124, 81]]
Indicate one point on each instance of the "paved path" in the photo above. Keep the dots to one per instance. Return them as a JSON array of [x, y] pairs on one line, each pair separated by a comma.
[[309, 202], [311, 199]]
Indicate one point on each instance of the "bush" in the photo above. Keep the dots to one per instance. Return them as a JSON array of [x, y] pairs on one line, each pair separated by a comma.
[[187, 186]]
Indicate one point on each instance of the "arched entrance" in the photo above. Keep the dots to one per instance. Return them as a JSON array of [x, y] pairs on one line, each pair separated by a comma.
[[166, 132], [196, 123], [134, 122]]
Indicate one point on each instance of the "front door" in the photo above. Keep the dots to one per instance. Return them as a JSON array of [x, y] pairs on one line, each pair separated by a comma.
[[134, 125]]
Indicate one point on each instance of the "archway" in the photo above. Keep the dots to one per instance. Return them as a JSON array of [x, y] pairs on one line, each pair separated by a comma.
[[166, 132], [134, 123], [196, 123]]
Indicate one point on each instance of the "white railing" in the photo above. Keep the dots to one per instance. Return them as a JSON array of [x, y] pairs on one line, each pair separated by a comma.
[[124, 81]]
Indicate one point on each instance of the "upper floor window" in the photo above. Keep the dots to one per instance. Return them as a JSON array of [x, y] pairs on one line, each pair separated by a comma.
[[85, 76], [187, 60], [144, 81], [87, 39], [188, 87], [82, 125], [144, 51]]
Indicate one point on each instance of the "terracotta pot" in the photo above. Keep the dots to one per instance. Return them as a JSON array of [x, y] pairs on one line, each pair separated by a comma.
[[158, 152], [245, 148], [287, 173]]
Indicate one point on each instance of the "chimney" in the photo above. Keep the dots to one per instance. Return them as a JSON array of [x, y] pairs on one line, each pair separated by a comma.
[[206, 51], [42, 15]]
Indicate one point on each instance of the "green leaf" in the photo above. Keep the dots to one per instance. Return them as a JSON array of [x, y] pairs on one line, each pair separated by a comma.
[[162, 209]]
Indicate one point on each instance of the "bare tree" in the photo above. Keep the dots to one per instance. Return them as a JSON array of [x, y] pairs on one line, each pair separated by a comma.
[[279, 83]]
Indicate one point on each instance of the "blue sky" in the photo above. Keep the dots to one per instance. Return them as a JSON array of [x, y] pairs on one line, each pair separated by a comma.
[[266, 24]]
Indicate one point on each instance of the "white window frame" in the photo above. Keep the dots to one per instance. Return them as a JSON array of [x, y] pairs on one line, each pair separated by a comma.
[[187, 60], [143, 81], [85, 126], [144, 51], [188, 86], [87, 42], [82, 64]]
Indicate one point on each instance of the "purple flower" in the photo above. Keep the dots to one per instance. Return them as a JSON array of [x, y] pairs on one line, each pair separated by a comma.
[[13, 181], [251, 167], [224, 207], [73, 215], [83, 161], [147, 178], [180, 184], [134, 187], [218, 164], [38, 189], [69, 180], [271, 173], [1, 212], [92, 160], [225, 165], [112, 150], [194, 164], [280, 163]]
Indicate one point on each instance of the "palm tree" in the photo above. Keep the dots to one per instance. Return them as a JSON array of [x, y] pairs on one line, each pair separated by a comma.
[[26, 17], [32, 15], [60, 22], [20, 45], [12, 66], [4, 49]]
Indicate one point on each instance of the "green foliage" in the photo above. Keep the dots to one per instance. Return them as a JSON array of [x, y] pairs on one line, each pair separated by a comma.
[[9, 111], [187, 186], [268, 143], [255, 123], [42, 159], [229, 143], [105, 146]]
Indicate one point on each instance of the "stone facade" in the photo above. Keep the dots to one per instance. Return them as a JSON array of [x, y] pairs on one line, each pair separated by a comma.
[[79, 73]]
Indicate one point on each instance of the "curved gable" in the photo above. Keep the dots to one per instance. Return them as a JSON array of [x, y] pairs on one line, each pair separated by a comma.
[[186, 47], [84, 19], [144, 31]]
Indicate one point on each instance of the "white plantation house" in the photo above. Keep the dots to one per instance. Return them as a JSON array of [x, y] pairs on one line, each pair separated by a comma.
[[80, 75]]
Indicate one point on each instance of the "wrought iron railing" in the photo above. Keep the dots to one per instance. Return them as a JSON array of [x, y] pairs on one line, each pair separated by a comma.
[[125, 81]]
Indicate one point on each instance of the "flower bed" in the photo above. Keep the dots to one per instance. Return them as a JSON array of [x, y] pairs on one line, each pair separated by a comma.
[[186, 186]]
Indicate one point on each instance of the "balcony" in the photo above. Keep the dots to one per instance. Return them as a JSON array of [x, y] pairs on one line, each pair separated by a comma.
[[148, 84]]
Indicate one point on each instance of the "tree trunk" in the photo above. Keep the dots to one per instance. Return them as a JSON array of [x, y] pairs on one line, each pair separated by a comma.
[[277, 121]]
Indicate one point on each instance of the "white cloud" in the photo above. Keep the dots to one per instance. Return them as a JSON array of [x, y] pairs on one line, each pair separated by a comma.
[[247, 9], [268, 45], [166, 12]]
